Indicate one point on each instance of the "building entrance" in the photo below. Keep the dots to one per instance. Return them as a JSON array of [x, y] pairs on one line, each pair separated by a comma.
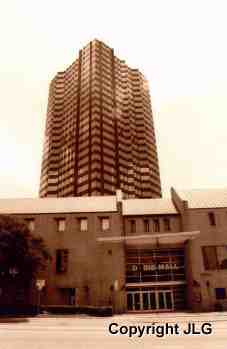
[[158, 300], [155, 279]]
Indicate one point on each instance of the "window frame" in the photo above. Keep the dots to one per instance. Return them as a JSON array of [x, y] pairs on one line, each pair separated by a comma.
[[60, 220], [206, 262], [30, 222], [212, 219], [102, 219], [156, 222], [61, 261], [132, 225], [80, 220], [166, 222], [146, 225]]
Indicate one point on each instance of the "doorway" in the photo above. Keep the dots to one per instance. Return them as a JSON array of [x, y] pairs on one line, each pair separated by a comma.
[[156, 300]]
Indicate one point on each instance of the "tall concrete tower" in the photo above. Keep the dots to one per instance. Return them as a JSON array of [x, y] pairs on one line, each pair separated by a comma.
[[99, 130]]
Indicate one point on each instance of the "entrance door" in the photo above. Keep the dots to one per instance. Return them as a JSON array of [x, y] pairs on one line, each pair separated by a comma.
[[133, 300], [157, 300], [164, 300]]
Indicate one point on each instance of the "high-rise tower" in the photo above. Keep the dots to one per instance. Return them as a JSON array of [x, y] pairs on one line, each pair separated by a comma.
[[99, 130]]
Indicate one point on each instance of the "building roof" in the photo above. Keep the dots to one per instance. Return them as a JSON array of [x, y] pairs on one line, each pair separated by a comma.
[[148, 206], [204, 198], [58, 205]]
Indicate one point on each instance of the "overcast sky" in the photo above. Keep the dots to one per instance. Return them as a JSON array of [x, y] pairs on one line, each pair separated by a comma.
[[180, 46]]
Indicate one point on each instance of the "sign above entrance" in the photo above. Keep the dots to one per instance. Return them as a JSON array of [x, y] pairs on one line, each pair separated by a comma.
[[153, 265], [156, 267]]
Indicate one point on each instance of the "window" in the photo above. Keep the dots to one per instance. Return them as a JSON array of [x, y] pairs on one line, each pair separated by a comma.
[[83, 222], [133, 226], [220, 293], [156, 225], [146, 225], [62, 261], [105, 223], [166, 224], [69, 294], [215, 257], [211, 218], [210, 257], [30, 223], [60, 224], [222, 256]]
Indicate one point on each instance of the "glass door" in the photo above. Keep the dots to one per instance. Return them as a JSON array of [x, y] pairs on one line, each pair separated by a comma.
[[164, 300], [134, 301], [157, 300]]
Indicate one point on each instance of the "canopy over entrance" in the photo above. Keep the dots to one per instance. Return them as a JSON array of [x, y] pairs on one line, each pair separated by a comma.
[[156, 239]]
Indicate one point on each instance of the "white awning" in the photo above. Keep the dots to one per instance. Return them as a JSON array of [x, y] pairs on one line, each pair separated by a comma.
[[156, 239]]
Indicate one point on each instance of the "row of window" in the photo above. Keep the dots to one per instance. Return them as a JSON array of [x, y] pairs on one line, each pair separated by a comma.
[[82, 223], [149, 225]]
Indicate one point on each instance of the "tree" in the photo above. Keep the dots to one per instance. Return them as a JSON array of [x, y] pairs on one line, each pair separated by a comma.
[[20, 252]]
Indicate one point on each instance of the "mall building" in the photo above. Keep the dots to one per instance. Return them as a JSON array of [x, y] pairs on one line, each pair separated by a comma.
[[136, 255]]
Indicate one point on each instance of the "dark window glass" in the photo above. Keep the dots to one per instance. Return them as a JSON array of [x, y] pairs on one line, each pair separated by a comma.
[[156, 225], [222, 256], [161, 300], [220, 293], [210, 257], [211, 218], [61, 261], [166, 224], [129, 301], [146, 225], [133, 226]]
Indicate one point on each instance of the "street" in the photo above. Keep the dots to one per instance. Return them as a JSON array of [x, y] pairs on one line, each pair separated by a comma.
[[81, 331]]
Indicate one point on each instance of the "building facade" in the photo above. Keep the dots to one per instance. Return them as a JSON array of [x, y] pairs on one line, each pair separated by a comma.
[[99, 133], [136, 255]]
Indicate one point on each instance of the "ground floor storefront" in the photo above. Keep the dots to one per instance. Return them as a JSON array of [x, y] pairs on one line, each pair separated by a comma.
[[156, 299], [139, 274], [155, 279]]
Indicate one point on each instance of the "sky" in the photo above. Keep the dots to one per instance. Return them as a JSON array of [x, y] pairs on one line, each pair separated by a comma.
[[180, 46]]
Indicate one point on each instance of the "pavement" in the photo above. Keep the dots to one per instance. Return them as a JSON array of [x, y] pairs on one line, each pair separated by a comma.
[[164, 330]]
